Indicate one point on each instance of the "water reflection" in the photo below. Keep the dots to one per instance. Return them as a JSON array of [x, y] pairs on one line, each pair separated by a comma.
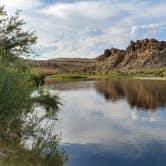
[[103, 125], [145, 94]]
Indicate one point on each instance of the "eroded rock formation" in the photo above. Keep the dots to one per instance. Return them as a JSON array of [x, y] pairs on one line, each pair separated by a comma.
[[142, 54]]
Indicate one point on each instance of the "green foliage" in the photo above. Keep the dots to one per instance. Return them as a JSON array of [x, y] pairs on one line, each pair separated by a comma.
[[13, 38], [38, 78], [16, 104], [14, 88], [49, 102], [161, 72], [18, 118], [69, 76]]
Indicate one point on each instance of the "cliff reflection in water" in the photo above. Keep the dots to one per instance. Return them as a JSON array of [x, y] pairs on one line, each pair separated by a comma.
[[142, 94]]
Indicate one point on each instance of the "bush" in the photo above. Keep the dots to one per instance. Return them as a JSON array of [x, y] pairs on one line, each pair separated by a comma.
[[16, 104], [15, 91]]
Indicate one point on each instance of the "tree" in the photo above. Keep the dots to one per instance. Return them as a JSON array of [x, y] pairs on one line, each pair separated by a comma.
[[13, 38], [19, 120], [17, 101]]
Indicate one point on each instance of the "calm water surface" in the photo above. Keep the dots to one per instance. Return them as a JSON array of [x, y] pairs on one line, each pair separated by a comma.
[[113, 122]]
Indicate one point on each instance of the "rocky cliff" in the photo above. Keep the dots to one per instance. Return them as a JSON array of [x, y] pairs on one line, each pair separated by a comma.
[[142, 54]]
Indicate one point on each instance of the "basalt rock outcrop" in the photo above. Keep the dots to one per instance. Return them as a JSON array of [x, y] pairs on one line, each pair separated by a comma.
[[142, 54], [110, 59]]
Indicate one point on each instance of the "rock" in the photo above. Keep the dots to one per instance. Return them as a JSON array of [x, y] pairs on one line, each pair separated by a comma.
[[141, 54], [107, 53]]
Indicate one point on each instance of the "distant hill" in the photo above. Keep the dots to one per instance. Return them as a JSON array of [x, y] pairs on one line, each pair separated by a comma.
[[61, 65], [140, 55]]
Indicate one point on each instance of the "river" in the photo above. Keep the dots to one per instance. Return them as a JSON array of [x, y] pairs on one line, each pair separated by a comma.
[[119, 122]]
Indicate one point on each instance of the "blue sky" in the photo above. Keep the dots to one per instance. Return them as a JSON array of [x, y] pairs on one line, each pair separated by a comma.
[[85, 28]]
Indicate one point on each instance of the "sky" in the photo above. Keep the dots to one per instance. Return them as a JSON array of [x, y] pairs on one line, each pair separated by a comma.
[[85, 28]]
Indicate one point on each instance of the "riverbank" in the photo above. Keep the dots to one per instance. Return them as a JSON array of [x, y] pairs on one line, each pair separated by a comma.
[[40, 75], [103, 76]]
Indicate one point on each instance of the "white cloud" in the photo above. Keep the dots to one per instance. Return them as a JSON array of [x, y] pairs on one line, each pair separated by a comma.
[[154, 11], [149, 30], [91, 9], [149, 26], [86, 28], [20, 4], [105, 122]]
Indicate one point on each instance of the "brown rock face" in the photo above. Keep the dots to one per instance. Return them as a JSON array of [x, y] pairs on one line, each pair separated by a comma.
[[142, 54], [117, 57], [107, 54], [110, 59], [148, 53]]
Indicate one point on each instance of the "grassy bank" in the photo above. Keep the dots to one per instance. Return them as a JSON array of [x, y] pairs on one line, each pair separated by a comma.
[[102, 76], [69, 76], [155, 73]]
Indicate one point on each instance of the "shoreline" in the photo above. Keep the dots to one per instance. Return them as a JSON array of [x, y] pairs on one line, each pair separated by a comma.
[[102, 76]]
